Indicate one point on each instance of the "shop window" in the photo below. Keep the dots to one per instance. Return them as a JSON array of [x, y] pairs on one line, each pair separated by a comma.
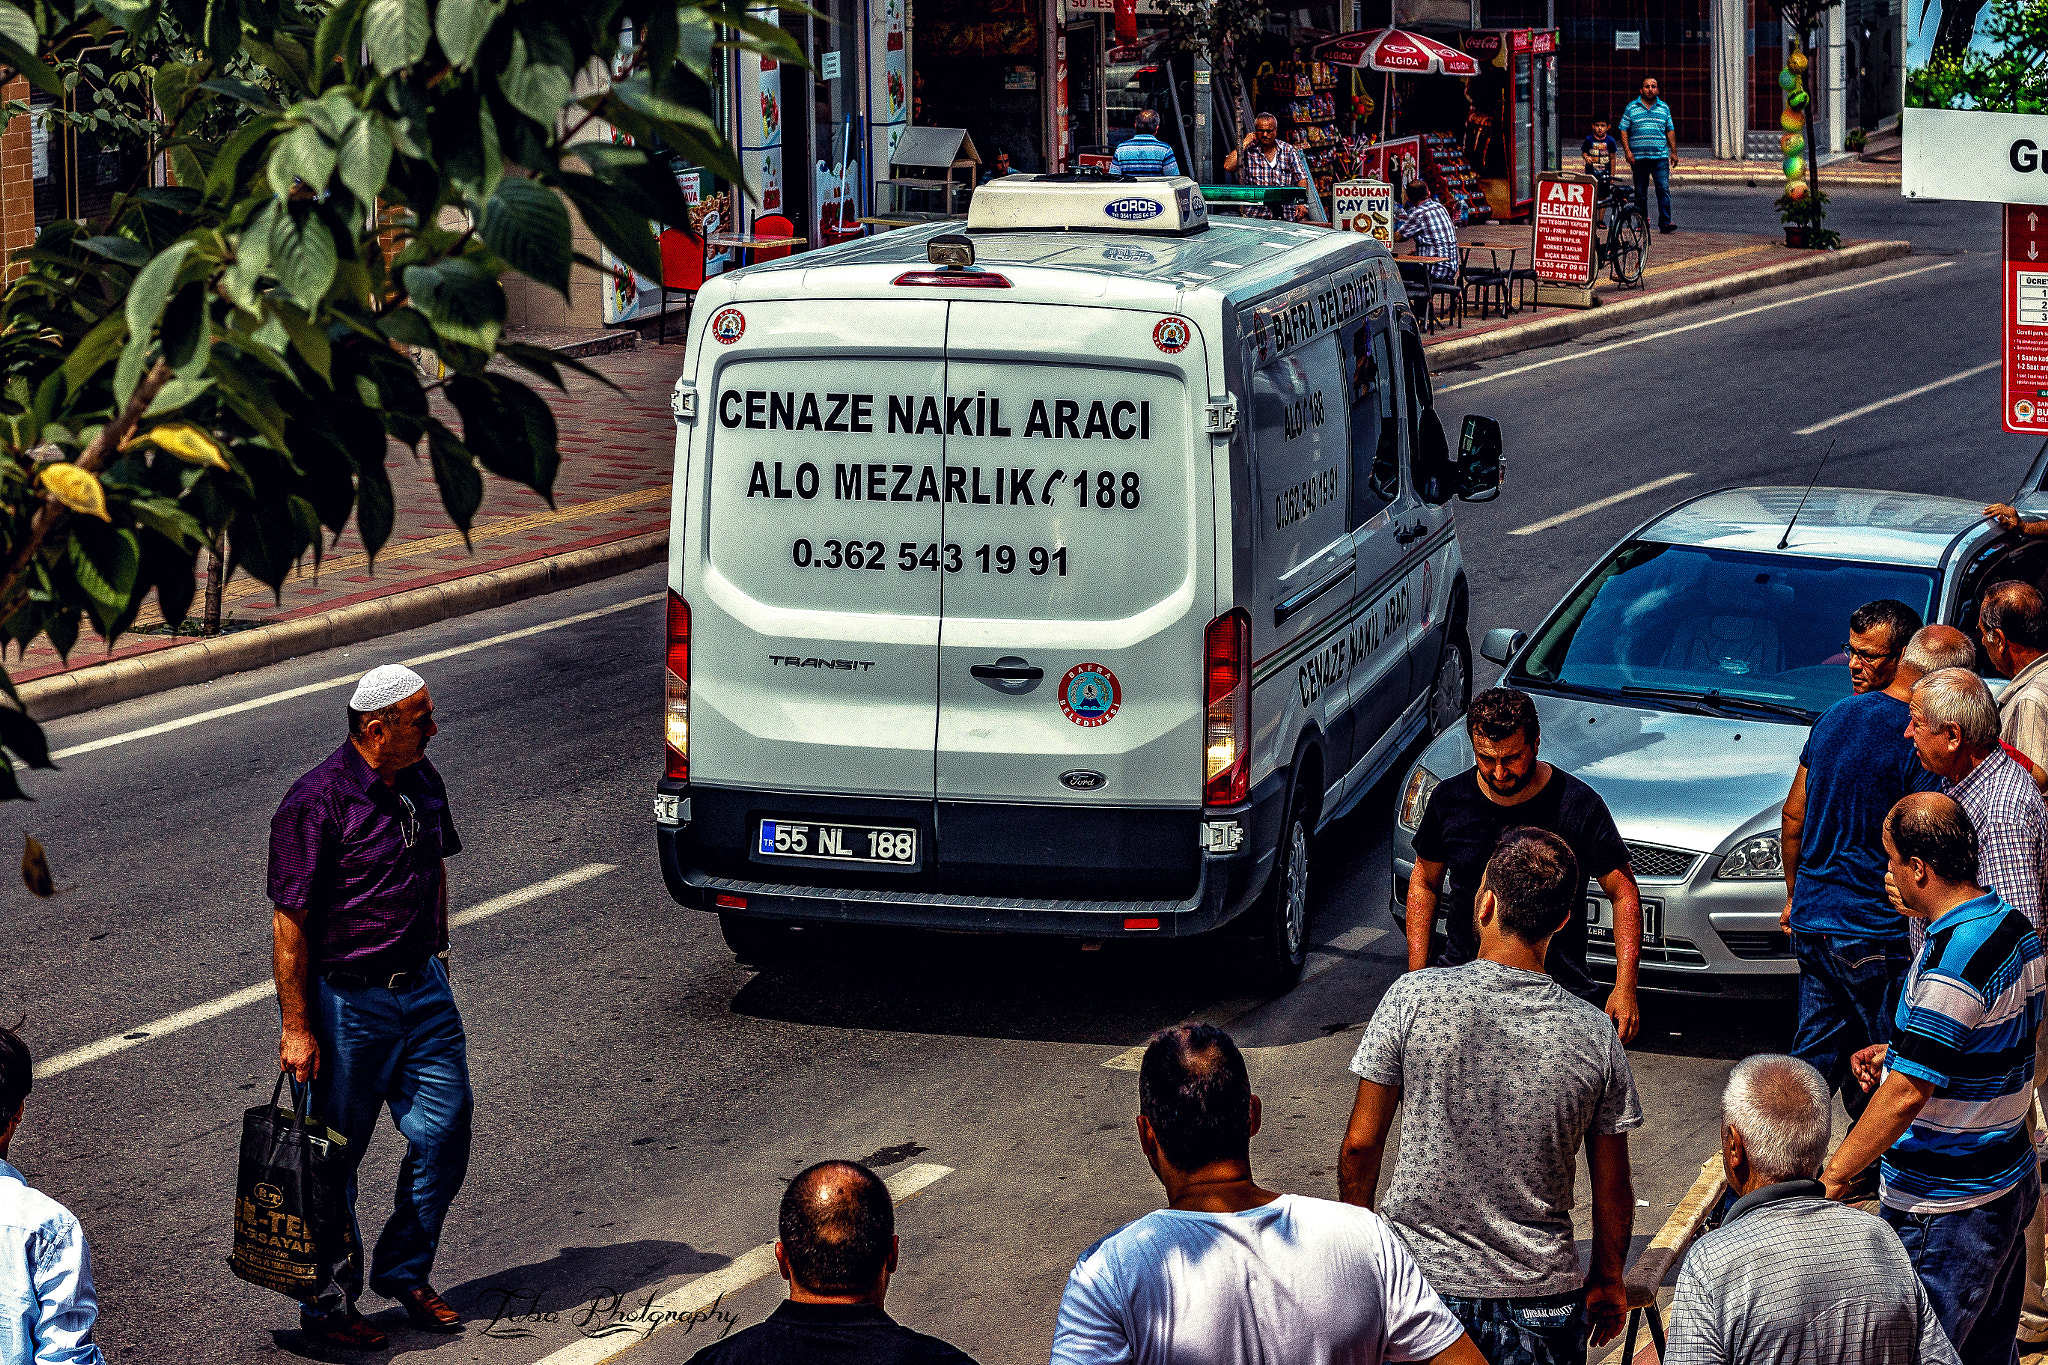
[[978, 65], [78, 172], [1597, 78]]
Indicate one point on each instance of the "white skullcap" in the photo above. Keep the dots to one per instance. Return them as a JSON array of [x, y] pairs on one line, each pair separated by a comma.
[[385, 685]]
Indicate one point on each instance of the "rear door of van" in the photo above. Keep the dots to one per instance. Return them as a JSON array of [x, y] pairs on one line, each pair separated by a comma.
[[1077, 589], [814, 642]]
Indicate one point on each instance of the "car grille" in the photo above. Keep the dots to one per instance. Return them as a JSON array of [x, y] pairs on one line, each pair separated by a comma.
[[1757, 944], [1668, 864]]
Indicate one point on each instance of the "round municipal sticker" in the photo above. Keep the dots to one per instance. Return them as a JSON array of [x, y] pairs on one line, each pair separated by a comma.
[[1172, 335], [2023, 411], [1090, 695], [729, 325]]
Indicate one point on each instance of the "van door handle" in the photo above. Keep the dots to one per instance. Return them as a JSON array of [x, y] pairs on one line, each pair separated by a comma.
[[1404, 534], [1008, 672]]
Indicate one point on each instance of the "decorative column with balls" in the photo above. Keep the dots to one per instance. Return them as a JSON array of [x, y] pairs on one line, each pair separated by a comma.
[[1797, 122]]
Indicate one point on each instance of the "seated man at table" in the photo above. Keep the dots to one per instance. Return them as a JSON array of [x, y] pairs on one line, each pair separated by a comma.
[[1429, 223]]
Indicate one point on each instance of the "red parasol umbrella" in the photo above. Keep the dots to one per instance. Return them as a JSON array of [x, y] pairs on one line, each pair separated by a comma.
[[1396, 50]]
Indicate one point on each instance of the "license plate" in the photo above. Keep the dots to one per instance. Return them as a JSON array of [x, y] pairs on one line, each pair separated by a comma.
[[892, 845], [1600, 920]]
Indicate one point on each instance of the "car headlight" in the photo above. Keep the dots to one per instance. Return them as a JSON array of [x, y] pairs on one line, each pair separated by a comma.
[[1753, 860], [1415, 799]]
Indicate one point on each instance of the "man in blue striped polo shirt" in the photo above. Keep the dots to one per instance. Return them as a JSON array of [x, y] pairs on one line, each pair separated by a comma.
[[1958, 1178], [1143, 153], [1648, 133]]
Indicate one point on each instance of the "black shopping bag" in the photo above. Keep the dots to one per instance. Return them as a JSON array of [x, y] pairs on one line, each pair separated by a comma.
[[292, 1226]]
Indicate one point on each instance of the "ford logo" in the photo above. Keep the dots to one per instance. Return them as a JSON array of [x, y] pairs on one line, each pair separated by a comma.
[[1133, 210], [1083, 779]]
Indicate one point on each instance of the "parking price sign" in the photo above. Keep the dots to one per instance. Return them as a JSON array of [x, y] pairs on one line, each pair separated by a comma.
[[1564, 239], [2026, 318]]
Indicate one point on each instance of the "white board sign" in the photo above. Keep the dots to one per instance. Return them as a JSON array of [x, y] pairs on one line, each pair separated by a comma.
[[1365, 206], [1965, 154], [1628, 40]]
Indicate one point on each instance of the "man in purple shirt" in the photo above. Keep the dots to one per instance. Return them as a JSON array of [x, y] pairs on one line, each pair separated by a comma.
[[360, 940]]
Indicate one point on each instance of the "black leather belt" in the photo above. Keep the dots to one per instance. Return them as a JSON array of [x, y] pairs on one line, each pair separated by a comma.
[[390, 981]]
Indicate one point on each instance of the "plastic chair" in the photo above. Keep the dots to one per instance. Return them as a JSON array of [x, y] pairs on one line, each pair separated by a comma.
[[773, 225], [682, 268]]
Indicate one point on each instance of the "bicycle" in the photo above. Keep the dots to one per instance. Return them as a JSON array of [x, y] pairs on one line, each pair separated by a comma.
[[1627, 243]]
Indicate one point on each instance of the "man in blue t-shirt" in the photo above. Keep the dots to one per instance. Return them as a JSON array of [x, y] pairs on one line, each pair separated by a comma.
[[1143, 153], [1851, 945], [1648, 134]]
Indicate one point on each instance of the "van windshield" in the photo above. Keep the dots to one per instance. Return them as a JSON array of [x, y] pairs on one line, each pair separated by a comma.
[[1718, 629]]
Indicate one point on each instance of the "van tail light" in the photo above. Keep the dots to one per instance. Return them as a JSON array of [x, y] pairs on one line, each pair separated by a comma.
[[1226, 738], [676, 704], [953, 279]]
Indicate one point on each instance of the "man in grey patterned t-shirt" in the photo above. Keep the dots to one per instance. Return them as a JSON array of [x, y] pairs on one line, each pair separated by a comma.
[[1504, 1074]]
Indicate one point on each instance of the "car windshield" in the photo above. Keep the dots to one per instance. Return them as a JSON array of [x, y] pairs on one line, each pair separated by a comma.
[[1736, 631]]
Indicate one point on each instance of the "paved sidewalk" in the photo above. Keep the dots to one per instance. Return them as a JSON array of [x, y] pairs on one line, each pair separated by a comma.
[[617, 456]]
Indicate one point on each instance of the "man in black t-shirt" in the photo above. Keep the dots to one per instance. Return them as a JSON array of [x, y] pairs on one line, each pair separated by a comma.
[[1465, 818], [837, 1250]]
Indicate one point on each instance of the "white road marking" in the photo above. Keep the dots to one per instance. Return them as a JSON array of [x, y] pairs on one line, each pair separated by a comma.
[[263, 990], [1869, 408], [1599, 505], [1581, 353], [700, 1294], [289, 694]]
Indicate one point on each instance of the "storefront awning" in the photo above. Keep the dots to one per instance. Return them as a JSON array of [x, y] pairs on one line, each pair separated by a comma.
[[1398, 51]]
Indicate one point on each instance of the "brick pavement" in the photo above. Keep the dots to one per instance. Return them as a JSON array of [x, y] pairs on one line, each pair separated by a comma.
[[617, 457]]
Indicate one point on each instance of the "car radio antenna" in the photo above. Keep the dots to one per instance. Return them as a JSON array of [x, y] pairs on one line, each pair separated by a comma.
[[1784, 539]]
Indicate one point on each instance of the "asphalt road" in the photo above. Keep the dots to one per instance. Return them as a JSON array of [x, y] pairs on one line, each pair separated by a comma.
[[642, 1099]]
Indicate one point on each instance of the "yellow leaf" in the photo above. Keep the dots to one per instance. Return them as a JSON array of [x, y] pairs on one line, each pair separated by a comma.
[[76, 488], [185, 441], [35, 868]]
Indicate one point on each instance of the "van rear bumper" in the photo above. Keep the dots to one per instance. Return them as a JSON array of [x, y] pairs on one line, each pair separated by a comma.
[[1223, 886]]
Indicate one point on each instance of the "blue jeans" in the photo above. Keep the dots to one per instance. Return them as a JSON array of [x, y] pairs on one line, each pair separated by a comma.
[[1974, 1264], [1551, 1330], [1660, 170], [1848, 993], [404, 1048]]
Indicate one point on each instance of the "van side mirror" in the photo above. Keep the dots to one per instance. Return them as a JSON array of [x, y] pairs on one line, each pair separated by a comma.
[[1501, 644], [1480, 465], [1432, 469]]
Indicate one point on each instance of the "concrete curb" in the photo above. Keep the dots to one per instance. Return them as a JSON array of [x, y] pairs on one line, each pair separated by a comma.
[[1767, 174], [83, 689], [1548, 331]]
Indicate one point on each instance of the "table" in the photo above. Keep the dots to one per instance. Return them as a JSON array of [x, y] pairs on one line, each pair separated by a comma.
[[1493, 249], [747, 241]]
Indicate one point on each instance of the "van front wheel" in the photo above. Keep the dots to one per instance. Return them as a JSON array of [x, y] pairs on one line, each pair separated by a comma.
[[1279, 922], [1450, 693]]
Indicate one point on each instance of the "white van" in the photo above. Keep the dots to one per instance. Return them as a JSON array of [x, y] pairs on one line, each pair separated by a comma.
[[1064, 576]]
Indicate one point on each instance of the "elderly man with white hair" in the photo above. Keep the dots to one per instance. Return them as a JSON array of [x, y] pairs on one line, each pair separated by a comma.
[[1790, 1276], [359, 947], [1954, 728]]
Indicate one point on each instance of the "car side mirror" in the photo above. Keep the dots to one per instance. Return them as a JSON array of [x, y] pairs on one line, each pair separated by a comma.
[[1432, 470], [1501, 644], [1480, 464]]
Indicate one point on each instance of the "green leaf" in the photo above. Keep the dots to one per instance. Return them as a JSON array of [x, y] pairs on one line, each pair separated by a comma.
[[168, 567], [462, 488], [364, 157], [461, 25], [463, 302], [134, 359], [18, 28], [152, 288], [186, 336], [242, 92], [395, 33], [302, 253], [19, 44], [528, 225], [302, 155], [336, 35], [533, 84], [104, 561], [252, 257], [121, 249], [628, 235], [376, 509], [226, 173], [644, 184], [23, 736], [90, 355], [510, 429], [308, 340]]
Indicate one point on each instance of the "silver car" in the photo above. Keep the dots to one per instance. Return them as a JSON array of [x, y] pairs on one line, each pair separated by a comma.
[[1679, 679]]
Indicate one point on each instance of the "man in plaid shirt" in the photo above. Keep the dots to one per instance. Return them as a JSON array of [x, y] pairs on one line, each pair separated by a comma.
[[1955, 730], [1429, 223], [1269, 163]]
